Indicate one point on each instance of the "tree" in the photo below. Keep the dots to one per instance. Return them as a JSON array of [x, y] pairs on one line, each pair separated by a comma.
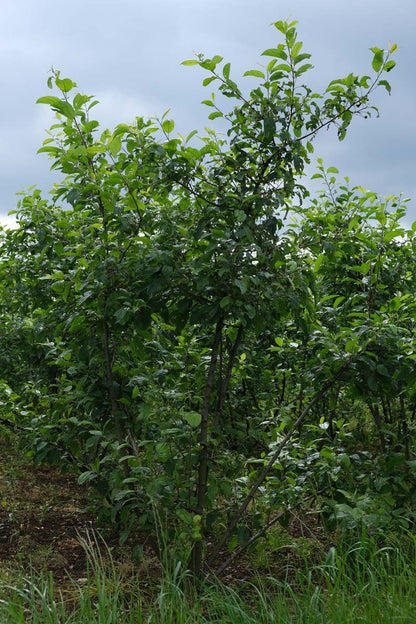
[[152, 302]]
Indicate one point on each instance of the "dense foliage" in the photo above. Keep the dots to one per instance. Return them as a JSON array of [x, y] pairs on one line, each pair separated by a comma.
[[204, 344]]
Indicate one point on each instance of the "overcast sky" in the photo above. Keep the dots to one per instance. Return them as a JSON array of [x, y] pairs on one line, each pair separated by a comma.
[[128, 54]]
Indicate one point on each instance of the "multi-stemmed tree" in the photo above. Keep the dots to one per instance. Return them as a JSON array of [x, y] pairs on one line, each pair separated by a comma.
[[164, 327]]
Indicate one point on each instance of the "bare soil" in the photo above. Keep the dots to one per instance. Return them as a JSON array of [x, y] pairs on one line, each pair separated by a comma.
[[42, 515], [44, 519]]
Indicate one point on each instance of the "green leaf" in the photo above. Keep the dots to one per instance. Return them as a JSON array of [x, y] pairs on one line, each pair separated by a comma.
[[114, 145], [386, 85], [278, 52], [250, 311], [192, 418], [269, 126], [364, 80], [226, 302], [318, 262], [226, 70], [351, 346], [282, 26], [190, 62], [271, 65], [122, 315], [215, 115], [341, 133], [158, 150], [303, 69], [338, 301], [255, 72], [242, 285], [345, 460], [300, 57], [378, 59], [65, 84], [184, 516], [58, 105], [240, 215], [52, 100], [381, 217], [361, 268], [382, 370], [389, 236], [86, 477], [79, 100], [50, 149], [243, 535], [389, 66], [72, 198], [190, 135], [282, 67], [168, 125], [58, 275], [346, 117], [296, 49], [162, 451], [208, 80], [233, 543]]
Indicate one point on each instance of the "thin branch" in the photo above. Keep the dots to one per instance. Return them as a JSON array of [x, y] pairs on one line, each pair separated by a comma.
[[356, 102], [197, 551], [226, 381], [270, 465], [236, 553]]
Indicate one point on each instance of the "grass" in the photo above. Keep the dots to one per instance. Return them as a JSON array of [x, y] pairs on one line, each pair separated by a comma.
[[360, 582]]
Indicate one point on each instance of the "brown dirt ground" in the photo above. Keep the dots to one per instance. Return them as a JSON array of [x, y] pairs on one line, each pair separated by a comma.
[[44, 519]]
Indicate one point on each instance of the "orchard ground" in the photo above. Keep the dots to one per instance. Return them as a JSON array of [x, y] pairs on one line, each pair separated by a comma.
[[45, 516]]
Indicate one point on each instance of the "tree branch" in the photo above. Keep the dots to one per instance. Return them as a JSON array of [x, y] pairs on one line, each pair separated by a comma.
[[269, 466]]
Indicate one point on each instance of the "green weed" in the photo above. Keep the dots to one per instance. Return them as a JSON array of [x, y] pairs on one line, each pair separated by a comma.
[[356, 582]]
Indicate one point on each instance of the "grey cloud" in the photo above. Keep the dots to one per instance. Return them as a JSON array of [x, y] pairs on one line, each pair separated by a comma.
[[128, 54]]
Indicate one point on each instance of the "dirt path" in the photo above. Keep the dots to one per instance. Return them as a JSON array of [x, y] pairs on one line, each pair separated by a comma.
[[42, 515]]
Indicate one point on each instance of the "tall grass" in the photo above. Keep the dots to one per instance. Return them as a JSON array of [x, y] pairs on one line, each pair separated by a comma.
[[357, 582]]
